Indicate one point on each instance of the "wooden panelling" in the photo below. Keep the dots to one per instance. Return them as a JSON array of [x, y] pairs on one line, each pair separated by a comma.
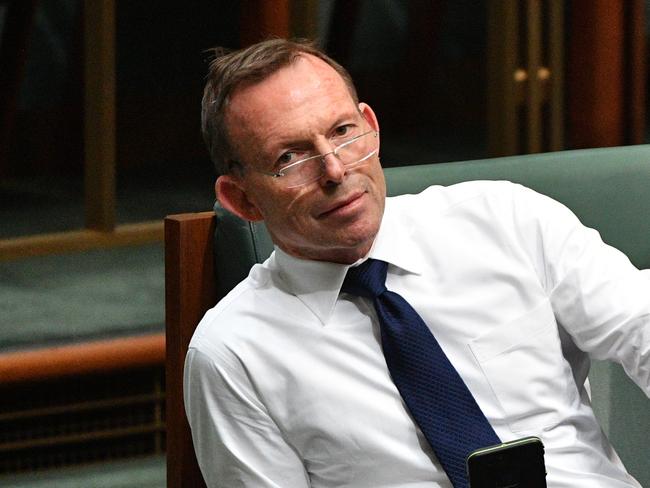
[[261, 19]]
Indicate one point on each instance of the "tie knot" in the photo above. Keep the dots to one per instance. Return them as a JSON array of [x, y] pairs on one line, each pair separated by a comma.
[[366, 280]]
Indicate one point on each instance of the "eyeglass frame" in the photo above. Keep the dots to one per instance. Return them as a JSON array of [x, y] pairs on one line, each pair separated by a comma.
[[280, 173]]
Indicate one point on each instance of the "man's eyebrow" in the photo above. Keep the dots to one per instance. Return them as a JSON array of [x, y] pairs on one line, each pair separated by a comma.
[[269, 155], [305, 139], [289, 142], [346, 118]]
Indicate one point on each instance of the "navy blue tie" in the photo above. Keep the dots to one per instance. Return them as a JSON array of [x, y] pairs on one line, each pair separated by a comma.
[[431, 387]]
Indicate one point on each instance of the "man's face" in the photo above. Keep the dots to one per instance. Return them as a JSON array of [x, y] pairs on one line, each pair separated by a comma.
[[303, 106]]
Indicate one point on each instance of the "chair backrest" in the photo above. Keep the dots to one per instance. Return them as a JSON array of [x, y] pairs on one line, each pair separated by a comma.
[[607, 188]]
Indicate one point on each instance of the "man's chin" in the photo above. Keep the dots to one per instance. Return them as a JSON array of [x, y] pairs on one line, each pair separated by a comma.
[[345, 251], [357, 245]]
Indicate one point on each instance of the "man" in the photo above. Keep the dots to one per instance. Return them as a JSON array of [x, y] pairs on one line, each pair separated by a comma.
[[286, 382]]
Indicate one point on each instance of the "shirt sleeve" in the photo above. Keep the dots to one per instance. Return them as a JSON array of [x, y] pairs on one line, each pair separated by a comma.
[[598, 296], [237, 443]]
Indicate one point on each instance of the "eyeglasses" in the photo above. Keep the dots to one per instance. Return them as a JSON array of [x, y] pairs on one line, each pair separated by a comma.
[[352, 153]]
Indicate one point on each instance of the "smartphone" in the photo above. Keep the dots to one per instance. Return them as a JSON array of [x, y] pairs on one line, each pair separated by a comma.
[[514, 464]]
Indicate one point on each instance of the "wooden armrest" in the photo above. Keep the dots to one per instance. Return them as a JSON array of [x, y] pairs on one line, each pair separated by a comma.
[[83, 358]]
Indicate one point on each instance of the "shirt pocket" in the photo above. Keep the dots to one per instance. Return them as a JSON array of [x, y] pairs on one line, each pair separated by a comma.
[[523, 363]]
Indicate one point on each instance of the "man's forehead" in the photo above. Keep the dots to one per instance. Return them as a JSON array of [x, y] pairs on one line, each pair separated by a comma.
[[307, 83]]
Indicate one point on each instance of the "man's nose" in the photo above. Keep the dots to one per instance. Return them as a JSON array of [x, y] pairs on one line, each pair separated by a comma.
[[333, 169]]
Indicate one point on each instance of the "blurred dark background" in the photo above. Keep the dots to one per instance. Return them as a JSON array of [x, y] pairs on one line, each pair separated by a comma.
[[427, 67], [100, 139], [422, 69]]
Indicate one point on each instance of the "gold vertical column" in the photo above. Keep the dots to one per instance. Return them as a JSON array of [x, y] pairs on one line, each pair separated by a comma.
[[99, 114], [525, 76], [534, 98], [556, 65], [503, 82]]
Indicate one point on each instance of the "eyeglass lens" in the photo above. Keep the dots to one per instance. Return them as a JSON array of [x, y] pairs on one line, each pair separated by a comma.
[[352, 154]]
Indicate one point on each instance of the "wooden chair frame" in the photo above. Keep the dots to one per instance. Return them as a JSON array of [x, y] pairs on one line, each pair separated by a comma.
[[189, 292]]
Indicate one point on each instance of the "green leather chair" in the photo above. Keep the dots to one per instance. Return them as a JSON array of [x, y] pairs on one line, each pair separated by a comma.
[[609, 189]]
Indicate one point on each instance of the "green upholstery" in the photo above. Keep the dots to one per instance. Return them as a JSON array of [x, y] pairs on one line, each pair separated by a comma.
[[238, 245], [609, 189]]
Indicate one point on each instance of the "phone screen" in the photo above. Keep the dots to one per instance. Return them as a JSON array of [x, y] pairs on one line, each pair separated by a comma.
[[514, 464]]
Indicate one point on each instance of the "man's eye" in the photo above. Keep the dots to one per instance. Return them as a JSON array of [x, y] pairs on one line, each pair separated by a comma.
[[343, 130], [291, 157], [286, 158]]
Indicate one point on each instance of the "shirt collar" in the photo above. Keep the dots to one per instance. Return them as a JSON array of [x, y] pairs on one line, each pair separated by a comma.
[[394, 241], [317, 283]]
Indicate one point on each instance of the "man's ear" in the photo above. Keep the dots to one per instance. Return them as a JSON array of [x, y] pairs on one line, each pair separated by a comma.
[[232, 196], [369, 115]]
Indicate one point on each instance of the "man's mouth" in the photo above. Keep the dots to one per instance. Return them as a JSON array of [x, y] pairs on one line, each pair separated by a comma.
[[343, 206]]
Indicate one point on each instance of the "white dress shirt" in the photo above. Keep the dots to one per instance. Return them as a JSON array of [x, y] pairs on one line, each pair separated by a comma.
[[286, 385]]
